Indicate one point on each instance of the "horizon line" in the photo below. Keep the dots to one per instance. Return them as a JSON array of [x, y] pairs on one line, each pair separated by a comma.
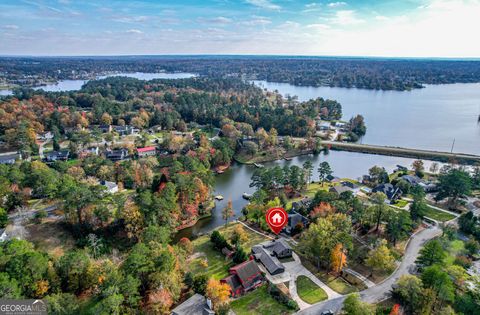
[[239, 55]]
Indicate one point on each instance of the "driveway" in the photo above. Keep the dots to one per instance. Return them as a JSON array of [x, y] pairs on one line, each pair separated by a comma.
[[381, 291], [293, 269]]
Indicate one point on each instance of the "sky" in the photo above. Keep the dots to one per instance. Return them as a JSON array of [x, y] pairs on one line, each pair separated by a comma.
[[407, 28]]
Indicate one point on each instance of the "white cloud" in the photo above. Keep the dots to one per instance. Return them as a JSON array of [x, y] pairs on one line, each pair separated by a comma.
[[311, 5], [216, 20], [10, 27], [134, 31], [381, 18], [264, 4], [336, 4], [257, 20], [346, 18], [318, 26]]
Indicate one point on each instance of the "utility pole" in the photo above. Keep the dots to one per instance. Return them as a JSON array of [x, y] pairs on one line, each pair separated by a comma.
[[453, 144]]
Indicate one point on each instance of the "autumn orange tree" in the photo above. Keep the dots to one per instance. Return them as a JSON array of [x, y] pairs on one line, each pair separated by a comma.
[[218, 293], [338, 259]]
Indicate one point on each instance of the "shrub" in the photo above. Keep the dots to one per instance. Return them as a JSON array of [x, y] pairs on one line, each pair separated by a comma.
[[463, 261]]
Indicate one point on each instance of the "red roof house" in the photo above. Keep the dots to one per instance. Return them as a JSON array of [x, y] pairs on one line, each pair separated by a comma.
[[243, 278], [147, 151]]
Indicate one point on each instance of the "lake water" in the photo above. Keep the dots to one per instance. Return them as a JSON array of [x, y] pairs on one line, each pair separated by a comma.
[[236, 180], [429, 118], [74, 85]]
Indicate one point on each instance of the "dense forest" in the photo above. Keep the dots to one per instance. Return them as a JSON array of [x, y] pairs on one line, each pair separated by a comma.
[[367, 73]]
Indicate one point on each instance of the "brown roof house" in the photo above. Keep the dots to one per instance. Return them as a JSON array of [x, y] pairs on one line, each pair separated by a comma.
[[243, 278]]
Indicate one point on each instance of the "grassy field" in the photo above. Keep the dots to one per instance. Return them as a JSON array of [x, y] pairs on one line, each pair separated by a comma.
[[217, 264], [258, 302], [308, 291], [438, 215]]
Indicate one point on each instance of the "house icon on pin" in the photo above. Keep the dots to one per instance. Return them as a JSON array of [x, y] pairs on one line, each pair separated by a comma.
[[277, 218]]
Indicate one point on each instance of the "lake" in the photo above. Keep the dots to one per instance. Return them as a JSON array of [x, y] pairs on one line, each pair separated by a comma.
[[236, 180], [429, 118], [74, 85]]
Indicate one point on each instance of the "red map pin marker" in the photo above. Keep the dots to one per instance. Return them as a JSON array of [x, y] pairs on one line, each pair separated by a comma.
[[276, 218]]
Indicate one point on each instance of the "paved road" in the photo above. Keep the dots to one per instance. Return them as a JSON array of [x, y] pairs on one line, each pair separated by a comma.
[[381, 291]]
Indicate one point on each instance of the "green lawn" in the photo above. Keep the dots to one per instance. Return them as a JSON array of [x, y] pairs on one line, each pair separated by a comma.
[[310, 292], [258, 302], [454, 248], [438, 215], [400, 203], [217, 264]]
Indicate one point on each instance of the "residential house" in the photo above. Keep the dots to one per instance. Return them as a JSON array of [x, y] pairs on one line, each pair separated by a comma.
[[45, 136], [279, 248], [243, 278], [123, 130], [340, 189], [57, 156], [146, 151], [112, 187], [389, 190], [413, 180], [197, 304], [10, 158], [324, 125], [294, 220], [94, 150], [333, 179], [428, 187], [302, 204], [264, 255], [117, 154], [101, 128]]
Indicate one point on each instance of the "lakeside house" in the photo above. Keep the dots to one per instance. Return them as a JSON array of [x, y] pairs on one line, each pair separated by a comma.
[[10, 158], [243, 278], [146, 151], [45, 136], [56, 156], [197, 304], [411, 179], [117, 154], [268, 254], [392, 192], [302, 204], [295, 221]]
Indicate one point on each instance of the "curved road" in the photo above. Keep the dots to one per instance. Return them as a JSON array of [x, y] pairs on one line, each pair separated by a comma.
[[381, 291]]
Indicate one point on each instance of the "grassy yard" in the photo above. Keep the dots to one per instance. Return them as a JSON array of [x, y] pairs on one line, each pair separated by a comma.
[[337, 284], [438, 215], [308, 291], [258, 302], [310, 192], [400, 203], [217, 264], [454, 248], [51, 237]]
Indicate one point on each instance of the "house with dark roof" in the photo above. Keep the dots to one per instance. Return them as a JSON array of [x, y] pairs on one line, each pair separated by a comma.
[[10, 158], [117, 154], [197, 304], [279, 248], [57, 156], [264, 256], [101, 128], [389, 190], [243, 278], [294, 219], [301, 204], [146, 151], [340, 189], [412, 179], [123, 130]]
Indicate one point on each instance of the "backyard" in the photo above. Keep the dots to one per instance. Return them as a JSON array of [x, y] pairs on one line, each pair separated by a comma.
[[208, 259], [258, 302], [438, 215]]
